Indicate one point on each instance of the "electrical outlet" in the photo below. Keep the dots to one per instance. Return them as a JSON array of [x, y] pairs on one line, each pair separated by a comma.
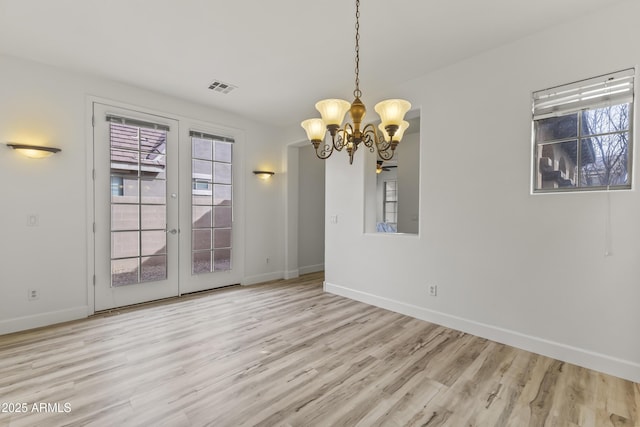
[[33, 220], [33, 294], [433, 290]]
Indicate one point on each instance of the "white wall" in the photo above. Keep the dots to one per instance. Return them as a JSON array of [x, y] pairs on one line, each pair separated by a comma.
[[47, 105], [527, 270], [311, 196]]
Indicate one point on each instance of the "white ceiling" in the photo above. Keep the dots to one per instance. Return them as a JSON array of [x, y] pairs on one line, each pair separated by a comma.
[[283, 55]]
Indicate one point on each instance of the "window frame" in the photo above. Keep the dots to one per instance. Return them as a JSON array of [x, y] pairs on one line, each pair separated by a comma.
[[552, 102], [386, 201]]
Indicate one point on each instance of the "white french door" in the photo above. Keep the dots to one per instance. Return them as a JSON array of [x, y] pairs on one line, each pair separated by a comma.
[[209, 255], [164, 201], [136, 207]]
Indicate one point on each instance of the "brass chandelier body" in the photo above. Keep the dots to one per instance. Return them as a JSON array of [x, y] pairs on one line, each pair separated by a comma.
[[351, 135]]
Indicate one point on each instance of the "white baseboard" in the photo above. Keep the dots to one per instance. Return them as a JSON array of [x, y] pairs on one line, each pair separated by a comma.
[[311, 268], [42, 319], [291, 274], [260, 278], [577, 356]]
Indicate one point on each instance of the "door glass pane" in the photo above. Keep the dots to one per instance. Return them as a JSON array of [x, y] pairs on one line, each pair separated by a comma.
[[138, 202], [124, 271], [153, 217], [202, 239], [155, 165], [222, 216], [153, 191], [127, 189], [211, 205], [202, 199], [222, 195], [223, 151], [202, 216], [202, 149], [124, 244], [222, 259], [222, 238], [153, 268], [222, 173], [125, 160], [124, 217], [202, 169], [153, 242], [201, 262]]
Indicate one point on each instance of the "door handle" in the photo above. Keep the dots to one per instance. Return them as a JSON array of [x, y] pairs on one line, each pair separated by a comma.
[[172, 231]]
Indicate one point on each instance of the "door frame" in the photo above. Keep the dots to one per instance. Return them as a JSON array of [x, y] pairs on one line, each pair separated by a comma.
[[184, 124]]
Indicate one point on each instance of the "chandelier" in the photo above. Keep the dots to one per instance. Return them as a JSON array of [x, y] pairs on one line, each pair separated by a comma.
[[350, 136]]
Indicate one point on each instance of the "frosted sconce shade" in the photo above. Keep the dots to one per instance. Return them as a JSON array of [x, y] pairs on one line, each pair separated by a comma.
[[264, 174], [34, 151]]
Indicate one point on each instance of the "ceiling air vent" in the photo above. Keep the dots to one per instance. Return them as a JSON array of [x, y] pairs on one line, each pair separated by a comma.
[[221, 87]]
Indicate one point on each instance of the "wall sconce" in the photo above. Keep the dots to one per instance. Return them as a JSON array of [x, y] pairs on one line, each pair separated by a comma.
[[264, 174], [34, 151]]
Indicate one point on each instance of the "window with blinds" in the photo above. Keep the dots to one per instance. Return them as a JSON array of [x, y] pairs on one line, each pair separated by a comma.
[[582, 134]]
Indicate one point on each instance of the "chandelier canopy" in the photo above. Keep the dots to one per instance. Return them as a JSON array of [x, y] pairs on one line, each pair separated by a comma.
[[350, 136]]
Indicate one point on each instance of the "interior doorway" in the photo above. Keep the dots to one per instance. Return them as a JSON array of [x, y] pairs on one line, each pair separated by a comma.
[[305, 211]]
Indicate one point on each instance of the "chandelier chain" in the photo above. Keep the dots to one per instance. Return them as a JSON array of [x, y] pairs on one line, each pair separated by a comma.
[[357, 93], [350, 135]]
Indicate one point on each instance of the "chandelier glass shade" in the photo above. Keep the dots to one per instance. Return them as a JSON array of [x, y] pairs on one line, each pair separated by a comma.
[[352, 134]]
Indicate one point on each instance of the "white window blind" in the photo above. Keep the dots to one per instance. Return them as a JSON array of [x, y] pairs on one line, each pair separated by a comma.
[[203, 135], [136, 123], [609, 89]]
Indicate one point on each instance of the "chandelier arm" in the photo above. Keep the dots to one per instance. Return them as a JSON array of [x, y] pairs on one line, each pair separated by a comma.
[[325, 151], [383, 145], [336, 141], [375, 141], [370, 137], [344, 136], [380, 143], [386, 154]]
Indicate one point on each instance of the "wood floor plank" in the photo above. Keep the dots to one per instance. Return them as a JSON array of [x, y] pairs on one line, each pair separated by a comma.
[[287, 354]]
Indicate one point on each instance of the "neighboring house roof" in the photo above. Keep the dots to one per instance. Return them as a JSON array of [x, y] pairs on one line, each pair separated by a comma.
[[128, 143], [563, 127], [587, 153]]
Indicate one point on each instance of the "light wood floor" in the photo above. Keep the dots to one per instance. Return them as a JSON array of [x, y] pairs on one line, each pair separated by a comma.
[[287, 354]]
